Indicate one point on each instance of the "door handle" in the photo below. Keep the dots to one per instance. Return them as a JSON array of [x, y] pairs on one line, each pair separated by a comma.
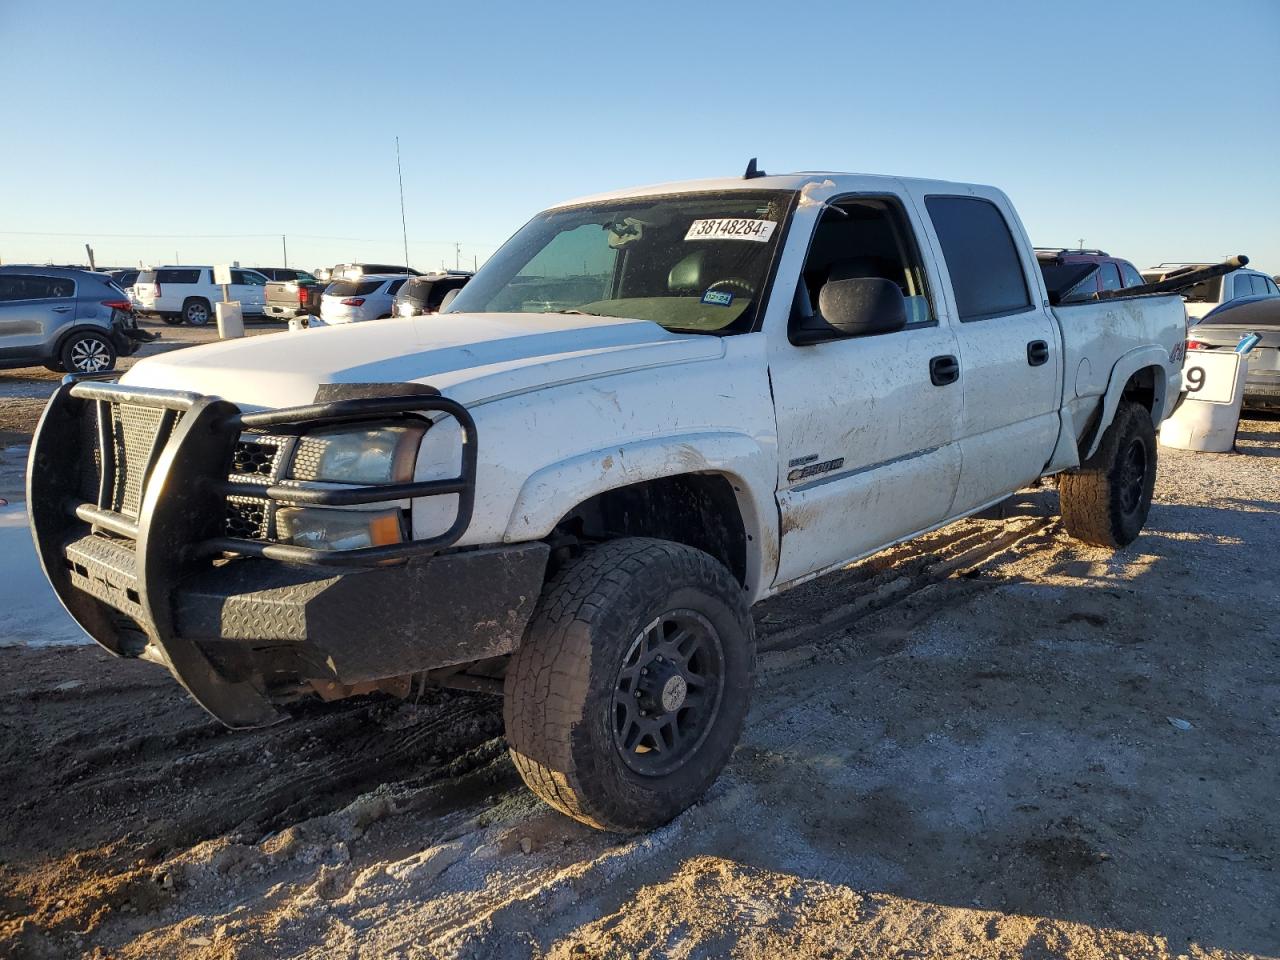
[[1037, 353], [61, 309], [944, 370]]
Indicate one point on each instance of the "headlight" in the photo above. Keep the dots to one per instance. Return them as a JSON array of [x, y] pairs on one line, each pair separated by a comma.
[[326, 529], [382, 454], [405, 309]]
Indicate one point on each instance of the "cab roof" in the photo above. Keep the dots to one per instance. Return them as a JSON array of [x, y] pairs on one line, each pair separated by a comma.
[[785, 181]]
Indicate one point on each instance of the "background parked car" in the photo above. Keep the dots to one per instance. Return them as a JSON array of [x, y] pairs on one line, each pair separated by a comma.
[[1075, 275], [1224, 327], [67, 320], [187, 294], [285, 273], [371, 297], [350, 271], [125, 279], [424, 294], [1206, 295], [297, 298]]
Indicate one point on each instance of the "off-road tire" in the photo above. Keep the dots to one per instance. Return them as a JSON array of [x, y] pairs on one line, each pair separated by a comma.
[[197, 311], [87, 352], [560, 684], [1103, 502]]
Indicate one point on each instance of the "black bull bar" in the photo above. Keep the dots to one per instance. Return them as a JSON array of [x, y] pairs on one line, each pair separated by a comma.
[[135, 524]]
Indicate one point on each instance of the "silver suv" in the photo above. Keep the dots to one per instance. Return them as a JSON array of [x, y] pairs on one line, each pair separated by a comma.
[[67, 320]]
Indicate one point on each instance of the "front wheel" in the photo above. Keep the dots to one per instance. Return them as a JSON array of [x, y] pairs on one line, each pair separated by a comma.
[[628, 694], [1106, 501]]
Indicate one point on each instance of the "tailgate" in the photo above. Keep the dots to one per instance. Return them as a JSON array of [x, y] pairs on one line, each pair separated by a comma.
[[282, 292]]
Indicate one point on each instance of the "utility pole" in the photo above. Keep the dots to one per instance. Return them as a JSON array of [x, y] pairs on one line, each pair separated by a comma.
[[1082, 244], [403, 228], [284, 246], [457, 255]]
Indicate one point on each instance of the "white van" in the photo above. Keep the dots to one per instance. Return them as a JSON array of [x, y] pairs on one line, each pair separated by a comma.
[[187, 294]]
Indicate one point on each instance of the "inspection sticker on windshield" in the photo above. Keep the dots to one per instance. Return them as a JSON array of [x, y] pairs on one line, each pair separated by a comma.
[[718, 298], [757, 230]]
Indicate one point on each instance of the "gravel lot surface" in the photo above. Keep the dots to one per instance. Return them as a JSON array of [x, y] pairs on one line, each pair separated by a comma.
[[994, 742]]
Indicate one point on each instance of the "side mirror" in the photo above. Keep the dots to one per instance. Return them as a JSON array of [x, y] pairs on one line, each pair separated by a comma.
[[857, 307], [448, 299]]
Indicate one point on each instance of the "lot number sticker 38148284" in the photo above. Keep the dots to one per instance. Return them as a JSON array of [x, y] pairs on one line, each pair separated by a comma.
[[757, 230]]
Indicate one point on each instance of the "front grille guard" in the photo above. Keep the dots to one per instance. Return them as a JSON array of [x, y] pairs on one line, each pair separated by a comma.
[[181, 496], [166, 452]]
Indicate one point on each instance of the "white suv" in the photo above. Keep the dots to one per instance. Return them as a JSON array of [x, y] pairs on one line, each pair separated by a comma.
[[367, 297], [187, 294], [1207, 294]]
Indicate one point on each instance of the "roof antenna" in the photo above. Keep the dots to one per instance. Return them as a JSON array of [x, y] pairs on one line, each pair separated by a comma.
[[752, 172]]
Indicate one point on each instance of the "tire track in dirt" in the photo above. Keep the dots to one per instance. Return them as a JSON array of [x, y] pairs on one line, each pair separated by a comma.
[[895, 576]]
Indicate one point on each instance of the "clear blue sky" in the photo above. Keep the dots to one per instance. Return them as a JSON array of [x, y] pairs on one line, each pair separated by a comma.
[[1149, 129]]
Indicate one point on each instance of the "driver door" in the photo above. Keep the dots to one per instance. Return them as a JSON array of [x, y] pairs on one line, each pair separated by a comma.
[[867, 435]]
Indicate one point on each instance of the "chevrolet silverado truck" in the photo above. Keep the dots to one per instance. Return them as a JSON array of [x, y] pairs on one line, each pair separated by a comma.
[[648, 411]]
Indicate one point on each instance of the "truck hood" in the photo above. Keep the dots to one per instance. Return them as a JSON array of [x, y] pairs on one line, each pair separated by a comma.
[[470, 357]]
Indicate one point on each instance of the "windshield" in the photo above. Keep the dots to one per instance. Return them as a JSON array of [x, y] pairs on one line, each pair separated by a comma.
[[695, 262]]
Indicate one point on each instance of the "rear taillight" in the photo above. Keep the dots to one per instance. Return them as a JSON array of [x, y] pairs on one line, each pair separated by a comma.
[[124, 305], [302, 296], [353, 302], [1197, 345], [157, 289]]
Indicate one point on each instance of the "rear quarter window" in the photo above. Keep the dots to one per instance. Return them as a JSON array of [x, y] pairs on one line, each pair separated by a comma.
[[981, 257]]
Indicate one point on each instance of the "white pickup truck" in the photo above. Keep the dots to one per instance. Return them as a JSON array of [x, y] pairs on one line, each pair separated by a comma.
[[649, 410]]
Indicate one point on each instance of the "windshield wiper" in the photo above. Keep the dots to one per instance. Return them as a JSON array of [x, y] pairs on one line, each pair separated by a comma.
[[579, 313]]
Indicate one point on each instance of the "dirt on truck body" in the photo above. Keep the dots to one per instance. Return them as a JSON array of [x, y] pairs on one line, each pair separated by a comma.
[[961, 747]]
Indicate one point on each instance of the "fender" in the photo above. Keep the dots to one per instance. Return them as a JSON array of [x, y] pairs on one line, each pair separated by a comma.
[[1129, 364], [557, 488]]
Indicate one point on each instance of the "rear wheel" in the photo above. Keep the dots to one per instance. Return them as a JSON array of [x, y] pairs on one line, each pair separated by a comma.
[[1106, 501], [628, 694], [196, 311], [87, 352]]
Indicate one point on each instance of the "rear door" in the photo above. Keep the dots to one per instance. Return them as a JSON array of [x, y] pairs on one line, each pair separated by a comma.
[[1009, 343], [32, 310], [866, 437]]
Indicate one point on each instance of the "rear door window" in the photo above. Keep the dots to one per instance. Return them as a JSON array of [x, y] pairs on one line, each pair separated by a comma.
[[19, 286], [177, 276], [394, 288], [1110, 275], [981, 257]]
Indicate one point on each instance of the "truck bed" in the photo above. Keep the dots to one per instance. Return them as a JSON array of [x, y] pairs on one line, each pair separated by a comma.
[[1095, 333]]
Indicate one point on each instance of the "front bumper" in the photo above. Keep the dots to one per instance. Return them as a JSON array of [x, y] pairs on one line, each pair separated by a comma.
[[131, 525]]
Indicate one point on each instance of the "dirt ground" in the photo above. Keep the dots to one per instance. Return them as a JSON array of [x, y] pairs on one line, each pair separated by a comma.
[[994, 742]]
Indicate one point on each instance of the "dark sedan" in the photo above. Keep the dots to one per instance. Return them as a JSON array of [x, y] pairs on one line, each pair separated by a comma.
[[1224, 327]]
